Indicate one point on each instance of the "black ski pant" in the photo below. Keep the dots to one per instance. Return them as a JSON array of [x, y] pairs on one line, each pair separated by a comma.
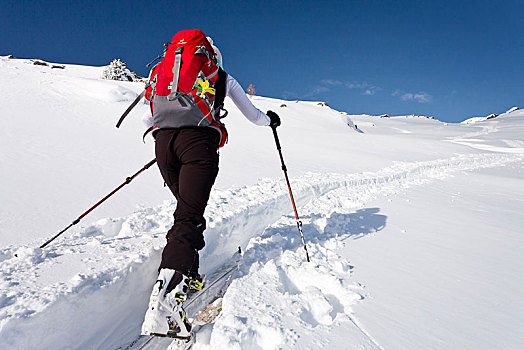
[[188, 162]]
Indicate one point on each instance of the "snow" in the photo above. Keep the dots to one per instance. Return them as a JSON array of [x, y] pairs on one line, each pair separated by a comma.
[[414, 226], [465, 292]]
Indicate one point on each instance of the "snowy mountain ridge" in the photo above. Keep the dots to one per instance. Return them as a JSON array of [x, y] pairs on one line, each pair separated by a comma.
[[412, 224], [491, 116]]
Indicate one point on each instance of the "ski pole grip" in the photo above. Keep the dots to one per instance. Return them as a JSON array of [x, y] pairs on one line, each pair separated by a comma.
[[277, 141], [150, 163]]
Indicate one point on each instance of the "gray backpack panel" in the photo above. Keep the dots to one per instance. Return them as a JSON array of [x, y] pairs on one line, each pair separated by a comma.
[[182, 111]]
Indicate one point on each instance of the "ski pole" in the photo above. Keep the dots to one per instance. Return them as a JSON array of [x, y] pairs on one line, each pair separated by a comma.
[[128, 180], [299, 223]]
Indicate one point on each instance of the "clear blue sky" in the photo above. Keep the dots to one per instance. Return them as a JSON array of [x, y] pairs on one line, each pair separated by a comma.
[[448, 59]]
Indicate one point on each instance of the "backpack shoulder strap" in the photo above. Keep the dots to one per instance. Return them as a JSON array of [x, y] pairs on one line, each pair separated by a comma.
[[220, 95]]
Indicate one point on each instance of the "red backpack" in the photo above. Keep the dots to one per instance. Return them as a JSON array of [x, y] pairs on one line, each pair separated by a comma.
[[187, 87]]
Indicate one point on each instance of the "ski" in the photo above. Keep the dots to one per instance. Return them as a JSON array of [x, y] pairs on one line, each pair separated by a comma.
[[196, 305]]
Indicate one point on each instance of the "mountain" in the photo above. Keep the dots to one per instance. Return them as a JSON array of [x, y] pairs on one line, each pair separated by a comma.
[[414, 226]]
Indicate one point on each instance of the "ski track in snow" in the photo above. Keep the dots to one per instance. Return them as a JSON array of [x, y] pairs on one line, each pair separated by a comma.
[[471, 140], [275, 288]]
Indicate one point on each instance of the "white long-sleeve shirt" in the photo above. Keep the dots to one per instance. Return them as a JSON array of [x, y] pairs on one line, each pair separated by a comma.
[[237, 94], [239, 98]]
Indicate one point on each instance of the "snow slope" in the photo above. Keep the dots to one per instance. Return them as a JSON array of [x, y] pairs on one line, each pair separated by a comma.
[[414, 226]]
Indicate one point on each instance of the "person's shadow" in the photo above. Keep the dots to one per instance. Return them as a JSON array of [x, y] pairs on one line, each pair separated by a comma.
[[318, 229], [358, 224]]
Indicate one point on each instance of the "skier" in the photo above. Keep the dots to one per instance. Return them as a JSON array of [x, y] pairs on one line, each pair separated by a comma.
[[188, 161]]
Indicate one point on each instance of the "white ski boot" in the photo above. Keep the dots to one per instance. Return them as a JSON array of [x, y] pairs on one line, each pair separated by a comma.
[[165, 315]]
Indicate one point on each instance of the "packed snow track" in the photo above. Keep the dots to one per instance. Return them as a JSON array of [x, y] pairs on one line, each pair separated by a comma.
[[274, 293]]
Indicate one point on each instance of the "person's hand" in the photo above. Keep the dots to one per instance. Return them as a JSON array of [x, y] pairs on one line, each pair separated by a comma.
[[275, 119]]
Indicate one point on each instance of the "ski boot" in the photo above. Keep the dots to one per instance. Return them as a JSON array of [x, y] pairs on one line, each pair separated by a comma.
[[165, 315], [195, 283]]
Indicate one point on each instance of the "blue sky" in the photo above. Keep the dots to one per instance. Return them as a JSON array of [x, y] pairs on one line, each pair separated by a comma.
[[448, 59]]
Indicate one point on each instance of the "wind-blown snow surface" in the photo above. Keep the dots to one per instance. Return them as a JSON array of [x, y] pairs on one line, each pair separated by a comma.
[[414, 226]]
